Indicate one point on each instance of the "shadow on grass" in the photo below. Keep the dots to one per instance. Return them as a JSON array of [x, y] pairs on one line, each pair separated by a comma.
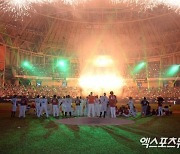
[[117, 137], [51, 127], [75, 129]]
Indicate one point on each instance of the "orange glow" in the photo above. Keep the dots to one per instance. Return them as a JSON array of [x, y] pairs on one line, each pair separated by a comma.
[[103, 61], [101, 77]]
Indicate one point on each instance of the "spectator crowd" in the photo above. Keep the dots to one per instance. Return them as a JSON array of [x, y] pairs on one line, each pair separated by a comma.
[[66, 101]]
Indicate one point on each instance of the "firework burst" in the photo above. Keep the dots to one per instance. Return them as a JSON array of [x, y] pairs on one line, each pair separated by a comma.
[[20, 8]]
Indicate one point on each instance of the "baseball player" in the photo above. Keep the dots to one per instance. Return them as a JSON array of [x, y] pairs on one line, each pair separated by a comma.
[[131, 107], [97, 106], [38, 107], [104, 101], [59, 103], [68, 102], [86, 106], [23, 104], [55, 103], [14, 105], [144, 104], [91, 101], [78, 107], [43, 102], [49, 106], [83, 106], [112, 103], [160, 109], [63, 102]]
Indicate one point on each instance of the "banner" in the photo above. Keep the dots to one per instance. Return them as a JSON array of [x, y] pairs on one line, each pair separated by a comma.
[[2, 57]]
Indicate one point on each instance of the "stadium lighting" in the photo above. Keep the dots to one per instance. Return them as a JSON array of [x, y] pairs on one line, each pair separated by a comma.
[[27, 65], [139, 67], [172, 70], [62, 64]]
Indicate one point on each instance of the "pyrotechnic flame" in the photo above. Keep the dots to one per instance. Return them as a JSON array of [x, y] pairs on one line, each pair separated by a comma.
[[103, 61], [100, 74], [100, 83]]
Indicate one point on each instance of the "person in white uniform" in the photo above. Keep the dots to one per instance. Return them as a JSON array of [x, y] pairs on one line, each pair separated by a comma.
[[104, 101], [68, 103], [43, 102], [86, 106], [49, 106], [59, 103], [63, 104], [38, 107], [14, 106], [97, 106], [131, 107], [83, 106]]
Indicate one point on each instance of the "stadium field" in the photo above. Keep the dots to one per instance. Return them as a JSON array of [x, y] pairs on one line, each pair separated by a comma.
[[32, 135]]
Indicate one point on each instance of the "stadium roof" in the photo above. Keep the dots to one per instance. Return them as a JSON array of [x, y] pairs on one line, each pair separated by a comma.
[[65, 28]]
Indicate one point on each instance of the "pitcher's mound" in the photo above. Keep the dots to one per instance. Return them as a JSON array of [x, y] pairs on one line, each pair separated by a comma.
[[95, 121]]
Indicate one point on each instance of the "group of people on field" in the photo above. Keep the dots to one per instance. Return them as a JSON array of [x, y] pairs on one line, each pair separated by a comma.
[[91, 106]]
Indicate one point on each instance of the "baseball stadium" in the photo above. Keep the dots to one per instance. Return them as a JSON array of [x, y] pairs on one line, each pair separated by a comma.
[[89, 76]]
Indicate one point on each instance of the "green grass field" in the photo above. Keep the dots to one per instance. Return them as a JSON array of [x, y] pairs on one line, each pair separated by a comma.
[[46, 136]]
